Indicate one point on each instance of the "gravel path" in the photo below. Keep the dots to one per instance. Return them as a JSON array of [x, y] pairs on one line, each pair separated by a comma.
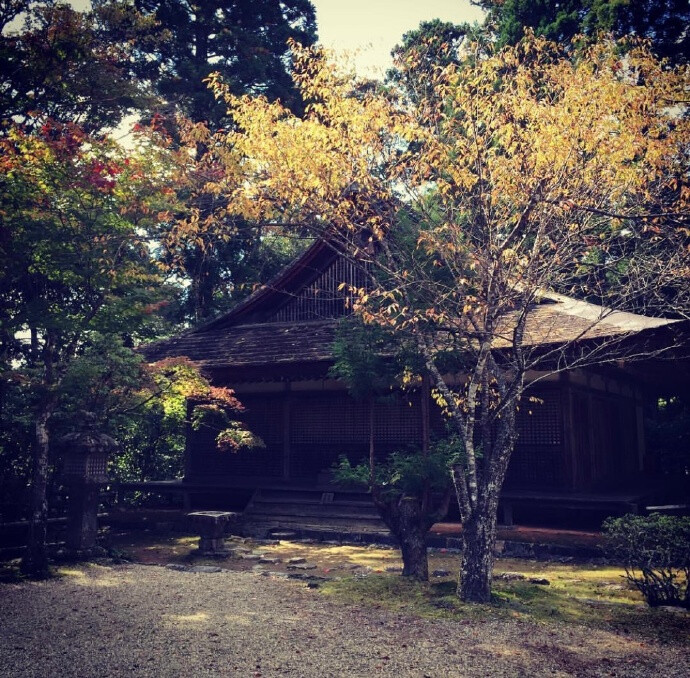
[[134, 620]]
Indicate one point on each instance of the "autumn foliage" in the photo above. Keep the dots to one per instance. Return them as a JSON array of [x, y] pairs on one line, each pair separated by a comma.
[[529, 171]]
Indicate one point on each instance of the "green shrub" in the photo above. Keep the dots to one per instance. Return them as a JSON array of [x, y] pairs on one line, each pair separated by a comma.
[[407, 472], [655, 551]]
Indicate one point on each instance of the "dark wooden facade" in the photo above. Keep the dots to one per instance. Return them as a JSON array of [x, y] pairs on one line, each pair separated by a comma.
[[583, 433]]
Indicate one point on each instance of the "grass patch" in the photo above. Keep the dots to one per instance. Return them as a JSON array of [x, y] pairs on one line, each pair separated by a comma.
[[401, 595], [578, 594]]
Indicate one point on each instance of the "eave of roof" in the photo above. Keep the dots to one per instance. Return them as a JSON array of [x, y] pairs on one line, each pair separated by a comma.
[[281, 343], [251, 344], [234, 339]]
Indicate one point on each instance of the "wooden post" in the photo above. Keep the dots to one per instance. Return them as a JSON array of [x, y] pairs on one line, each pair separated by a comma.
[[189, 435], [286, 432], [569, 443], [372, 451], [425, 398], [424, 409], [639, 431]]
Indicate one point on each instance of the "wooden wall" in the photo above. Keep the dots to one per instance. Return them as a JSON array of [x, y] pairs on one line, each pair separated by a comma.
[[577, 433], [306, 433]]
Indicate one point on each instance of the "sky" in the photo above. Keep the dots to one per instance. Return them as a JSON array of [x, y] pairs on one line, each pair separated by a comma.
[[373, 27], [369, 29]]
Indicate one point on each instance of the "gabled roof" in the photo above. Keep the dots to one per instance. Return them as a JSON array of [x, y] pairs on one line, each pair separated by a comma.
[[559, 319], [282, 343], [246, 336], [279, 290]]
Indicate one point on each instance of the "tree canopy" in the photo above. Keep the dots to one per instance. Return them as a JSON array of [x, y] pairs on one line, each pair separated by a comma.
[[247, 43], [527, 173], [662, 22], [244, 40], [71, 66]]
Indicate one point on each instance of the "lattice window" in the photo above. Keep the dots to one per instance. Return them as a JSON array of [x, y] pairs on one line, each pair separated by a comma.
[[264, 417], [538, 457], [322, 298], [539, 467], [209, 463], [540, 423], [398, 421], [330, 419], [337, 419]]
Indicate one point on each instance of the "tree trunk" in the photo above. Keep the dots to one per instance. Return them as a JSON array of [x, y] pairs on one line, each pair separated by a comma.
[[409, 526], [476, 565], [35, 562], [479, 531], [413, 540]]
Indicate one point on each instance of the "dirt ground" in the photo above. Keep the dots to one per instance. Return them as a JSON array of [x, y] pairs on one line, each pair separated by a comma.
[[346, 612]]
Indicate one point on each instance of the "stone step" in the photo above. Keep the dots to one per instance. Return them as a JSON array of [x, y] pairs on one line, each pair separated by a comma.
[[272, 523], [282, 534], [294, 522], [317, 510], [313, 495], [316, 498]]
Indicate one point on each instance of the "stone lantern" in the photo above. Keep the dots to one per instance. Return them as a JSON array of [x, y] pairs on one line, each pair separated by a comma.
[[86, 457]]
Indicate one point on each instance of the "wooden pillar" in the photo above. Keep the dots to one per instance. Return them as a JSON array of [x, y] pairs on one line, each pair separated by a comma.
[[591, 457], [639, 421], [286, 432], [569, 443], [425, 397], [189, 433]]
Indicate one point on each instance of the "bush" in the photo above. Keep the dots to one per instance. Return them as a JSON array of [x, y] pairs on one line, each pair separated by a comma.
[[404, 472], [655, 551]]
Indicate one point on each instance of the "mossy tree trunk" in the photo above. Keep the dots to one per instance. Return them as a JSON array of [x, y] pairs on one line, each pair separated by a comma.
[[410, 518]]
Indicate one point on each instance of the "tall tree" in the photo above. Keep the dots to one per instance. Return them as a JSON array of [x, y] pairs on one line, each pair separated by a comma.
[[524, 173], [75, 264], [663, 22], [246, 42], [433, 46], [74, 67]]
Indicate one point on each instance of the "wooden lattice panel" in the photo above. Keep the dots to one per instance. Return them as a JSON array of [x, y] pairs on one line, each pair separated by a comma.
[[325, 297], [398, 421], [537, 461], [541, 423], [264, 417], [328, 419], [337, 419], [326, 426]]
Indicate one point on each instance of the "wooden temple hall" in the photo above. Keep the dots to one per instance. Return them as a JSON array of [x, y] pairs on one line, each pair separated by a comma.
[[582, 446]]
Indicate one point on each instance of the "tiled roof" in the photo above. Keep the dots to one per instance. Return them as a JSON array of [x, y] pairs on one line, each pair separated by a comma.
[[563, 320], [558, 321], [256, 344]]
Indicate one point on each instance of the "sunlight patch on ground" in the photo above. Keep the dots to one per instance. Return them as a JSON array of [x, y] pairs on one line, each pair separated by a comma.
[[330, 555], [68, 572], [240, 619], [502, 651], [93, 576], [181, 620]]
